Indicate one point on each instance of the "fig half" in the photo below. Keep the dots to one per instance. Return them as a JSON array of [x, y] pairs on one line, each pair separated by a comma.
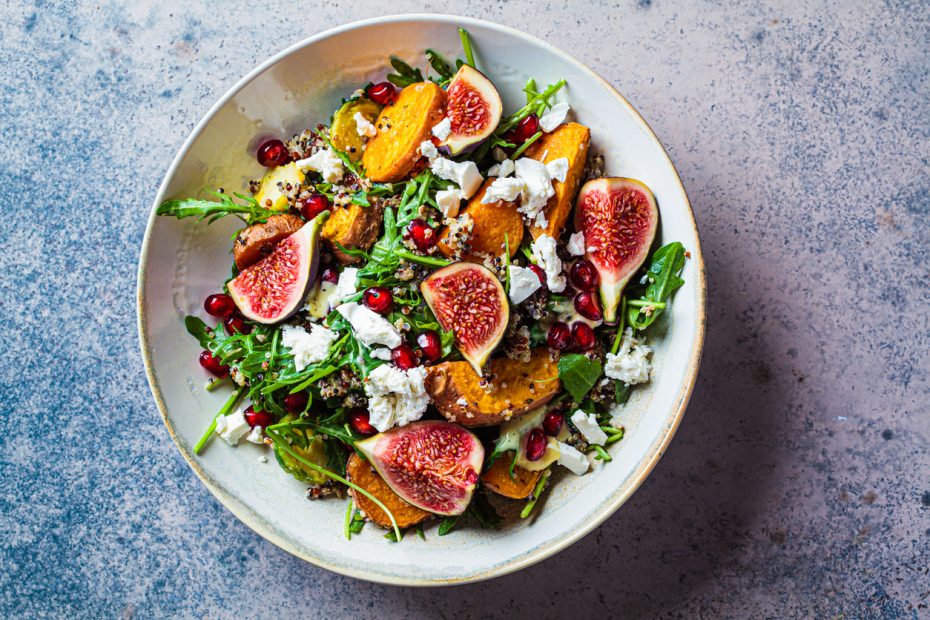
[[469, 301], [275, 287], [433, 465], [473, 107], [619, 218]]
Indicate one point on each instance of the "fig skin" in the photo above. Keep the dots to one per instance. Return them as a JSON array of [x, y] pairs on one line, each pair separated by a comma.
[[619, 218], [442, 484], [406, 514], [249, 289], [459, 308], [467, 87], [257, 241]]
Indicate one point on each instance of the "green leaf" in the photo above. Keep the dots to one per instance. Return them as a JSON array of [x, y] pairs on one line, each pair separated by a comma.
[[578, 374], [439, 64], [448, 524], [212, 210], [664, 276]]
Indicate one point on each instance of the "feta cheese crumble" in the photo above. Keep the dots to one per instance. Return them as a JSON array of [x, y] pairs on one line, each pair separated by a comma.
[[523, 283], [503, 188], [395, 397], [464, 173], [370, 327], [326, 163], [532, 181], [587, 425], [443, 128], [232, 428], [449, 201], [364, 127], [345, 287], [307, 347], [503, 169], [575, 461], [575, 244], [380, 353], [428, 150], [554, 117], [256, 436], [631, 363], [558, 169], [545, 255]]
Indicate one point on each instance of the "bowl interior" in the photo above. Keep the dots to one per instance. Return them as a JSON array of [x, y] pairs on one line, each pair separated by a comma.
[[184, 261]]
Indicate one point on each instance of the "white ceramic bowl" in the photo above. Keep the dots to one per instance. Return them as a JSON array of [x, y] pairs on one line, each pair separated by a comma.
[[183, 261]]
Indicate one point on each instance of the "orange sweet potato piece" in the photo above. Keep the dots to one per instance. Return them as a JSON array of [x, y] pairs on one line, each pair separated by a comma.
[[354, 227], [497, 478], [257, 241], [567, 140], [402, 126], [492, 222], [363, 474], [515, 388]]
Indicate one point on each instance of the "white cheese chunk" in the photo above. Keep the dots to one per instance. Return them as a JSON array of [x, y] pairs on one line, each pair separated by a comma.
[[345, 288], [428, 150], [307, 347], [370, 327], [587, 425], [554, 117], [631, 363], [232, 428], [499, 154], [449, 201], [575, 461], [381, 353], [558, 169], [256, 436], [575, 244], [443, 128], [326, 163], [464, 173], [364, 127], [536, 192], [545, 255], [503, 169], [523, 283], [395, 397], [507, 189]]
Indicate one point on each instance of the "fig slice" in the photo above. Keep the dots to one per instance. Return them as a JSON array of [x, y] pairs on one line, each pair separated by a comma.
[[275, 287], [469, 301], [619, 218], [433, 465], [474, 109]]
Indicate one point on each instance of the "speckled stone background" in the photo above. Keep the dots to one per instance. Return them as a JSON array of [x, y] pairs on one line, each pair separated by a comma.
[[799, 482]]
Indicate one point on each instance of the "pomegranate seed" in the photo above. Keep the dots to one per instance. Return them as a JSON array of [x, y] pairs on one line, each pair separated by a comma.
[[526, 129], [358, 420], [404, 357], [423, 236], [235, 324], [296, 403], [273, 153], [213, 364], [330, 275], [587, 305], [552, 423], [559, 336], [378, 299], [257, 418], [219, 305], [583, 275], [382, 92], [582, 337], [430, 345], [539, 274], [536, 444], [314, 205]]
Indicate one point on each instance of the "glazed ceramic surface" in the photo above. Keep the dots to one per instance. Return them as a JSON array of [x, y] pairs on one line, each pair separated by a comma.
[[183, 261]]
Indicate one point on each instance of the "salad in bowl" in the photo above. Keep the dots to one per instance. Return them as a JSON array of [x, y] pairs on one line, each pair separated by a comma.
[[434, 303]]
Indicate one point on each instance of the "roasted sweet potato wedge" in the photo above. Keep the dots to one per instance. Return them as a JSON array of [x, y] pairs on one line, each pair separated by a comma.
[[514, 388], [402, 126], [257, 241], [363, 474], [567, 140], [354, 227], [497, 478], [492, 222]]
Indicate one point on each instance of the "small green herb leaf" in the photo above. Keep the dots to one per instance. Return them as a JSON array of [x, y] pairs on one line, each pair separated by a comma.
[[664, 276], [578, 374]]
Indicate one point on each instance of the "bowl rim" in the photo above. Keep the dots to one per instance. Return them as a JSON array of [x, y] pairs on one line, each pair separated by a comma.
[[243, 512]]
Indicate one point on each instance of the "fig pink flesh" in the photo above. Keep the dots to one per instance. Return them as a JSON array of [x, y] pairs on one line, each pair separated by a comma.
[[469, 300], [619, 218], [433, 465], [473, 108]]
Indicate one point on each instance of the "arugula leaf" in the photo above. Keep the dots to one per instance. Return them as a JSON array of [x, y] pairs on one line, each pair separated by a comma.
[[448, 524], [212, 210], [439, 64], [664, 275], [578, 374], [406, 75]]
